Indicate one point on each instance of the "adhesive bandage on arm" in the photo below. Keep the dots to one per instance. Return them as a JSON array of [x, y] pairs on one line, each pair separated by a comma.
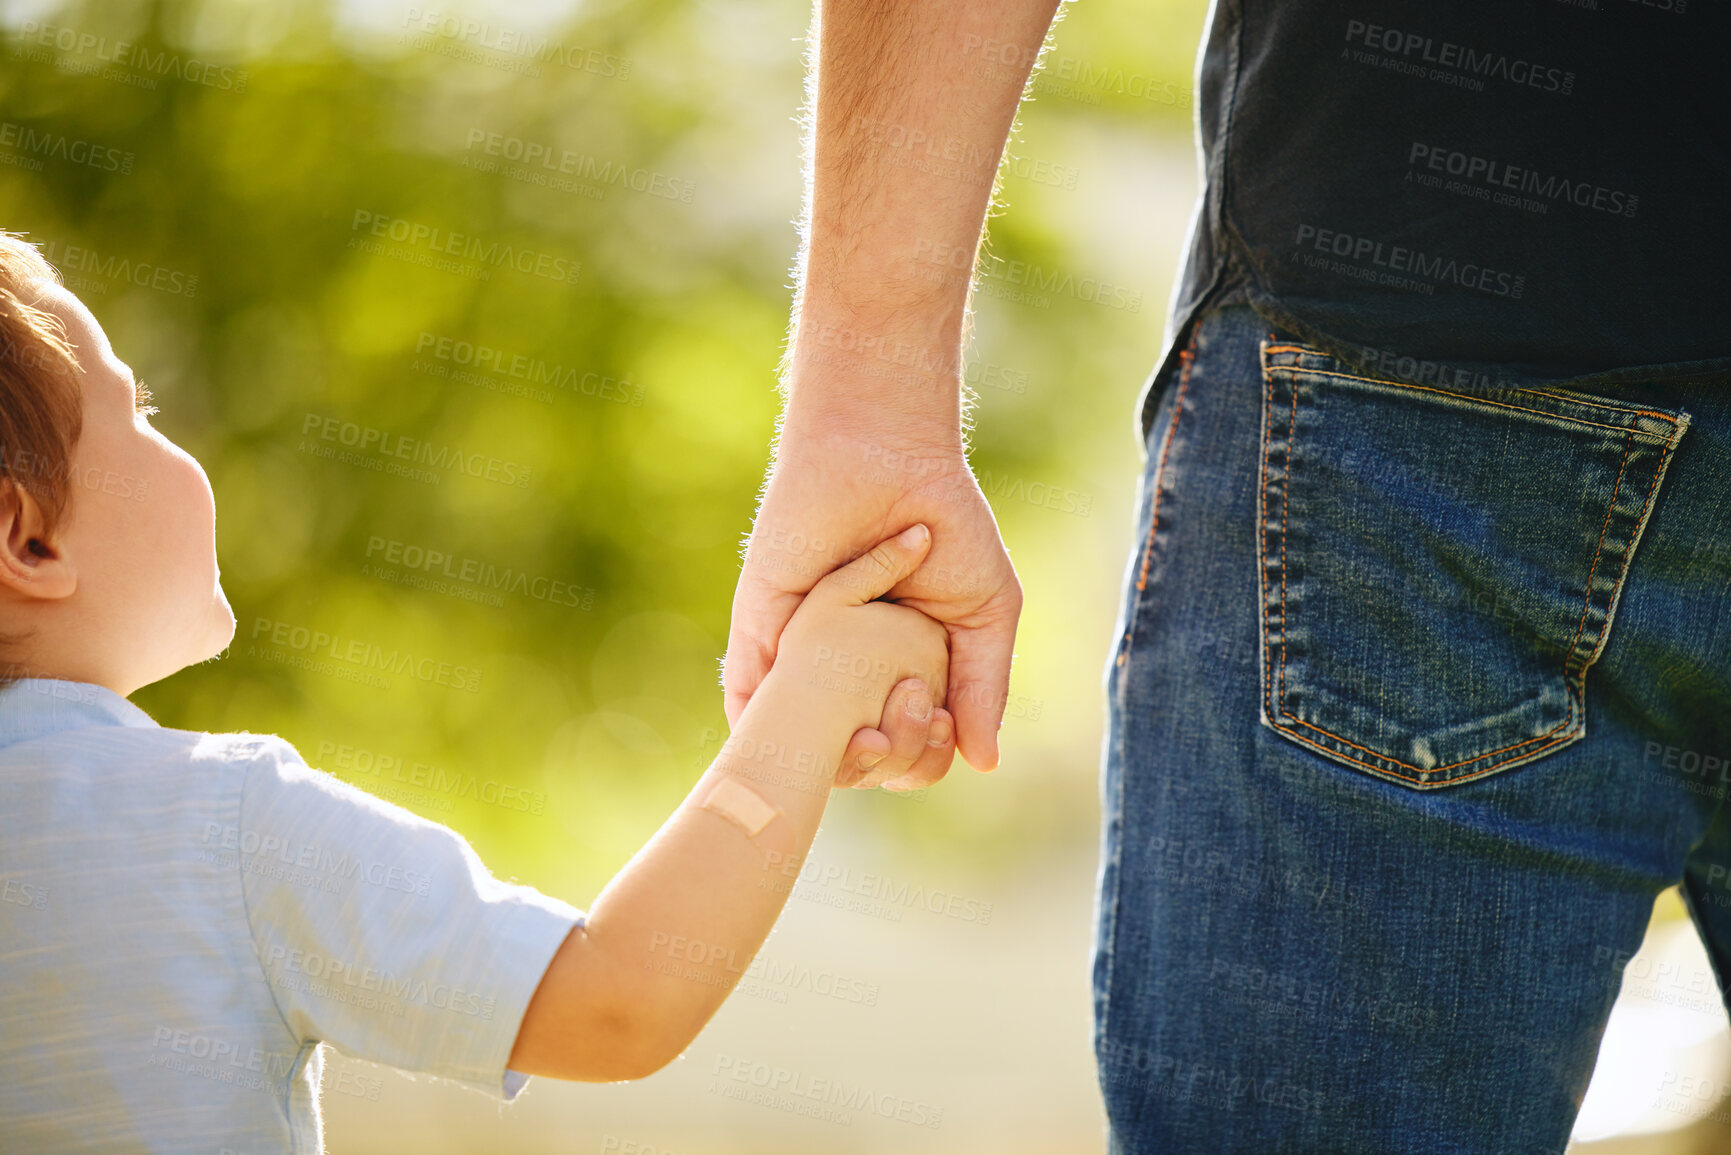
[[740, 805]]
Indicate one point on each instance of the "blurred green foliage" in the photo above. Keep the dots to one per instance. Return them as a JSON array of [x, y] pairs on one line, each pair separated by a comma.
[[256, 135]]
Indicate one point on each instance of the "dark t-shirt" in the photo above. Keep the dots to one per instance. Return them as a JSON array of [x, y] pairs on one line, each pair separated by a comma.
[[1535, 188]]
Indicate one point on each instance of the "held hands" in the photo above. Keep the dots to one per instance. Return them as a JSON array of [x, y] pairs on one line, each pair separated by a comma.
[[911, 747], [838, 485], [852, 654]]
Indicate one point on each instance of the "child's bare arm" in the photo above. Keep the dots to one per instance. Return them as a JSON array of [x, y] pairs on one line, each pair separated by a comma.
[[671, 934]]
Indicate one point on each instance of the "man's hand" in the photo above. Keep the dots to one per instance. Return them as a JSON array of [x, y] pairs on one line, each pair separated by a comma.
[[835, 491], [871, 440]]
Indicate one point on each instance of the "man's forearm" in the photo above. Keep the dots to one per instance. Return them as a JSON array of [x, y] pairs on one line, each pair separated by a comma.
[[914, 101]]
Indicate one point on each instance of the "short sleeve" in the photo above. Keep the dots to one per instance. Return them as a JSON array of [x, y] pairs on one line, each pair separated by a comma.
[[382, 933]]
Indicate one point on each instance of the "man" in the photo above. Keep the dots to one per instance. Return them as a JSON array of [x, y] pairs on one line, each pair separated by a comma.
[[1376, 848]]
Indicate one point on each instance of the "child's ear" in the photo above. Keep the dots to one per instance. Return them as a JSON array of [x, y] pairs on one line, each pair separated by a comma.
[[30, 565]]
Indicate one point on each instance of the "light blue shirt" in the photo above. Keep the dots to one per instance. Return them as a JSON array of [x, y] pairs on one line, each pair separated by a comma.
[[186, 917]]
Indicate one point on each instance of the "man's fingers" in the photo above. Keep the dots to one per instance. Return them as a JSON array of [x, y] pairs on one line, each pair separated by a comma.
[[873, 575], [934, 761], [980, 684], [865, 749], [906, 720]]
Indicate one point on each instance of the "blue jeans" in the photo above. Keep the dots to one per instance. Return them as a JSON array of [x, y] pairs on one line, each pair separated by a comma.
[[1421, 694]]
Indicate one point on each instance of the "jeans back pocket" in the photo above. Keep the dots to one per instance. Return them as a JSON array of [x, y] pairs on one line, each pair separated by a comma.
[[1440, 564]]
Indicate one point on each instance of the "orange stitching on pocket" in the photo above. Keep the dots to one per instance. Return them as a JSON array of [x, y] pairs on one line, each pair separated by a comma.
[[1297, 737], [1285, 507], [1467, 397], [1285, 503], [1577, 692], [1665, 417], [1267, 687], [1580, 628], [1577, 696], [1278, 689], [1186, 355], [1654, 413], [1436, 769], [1280, 709]]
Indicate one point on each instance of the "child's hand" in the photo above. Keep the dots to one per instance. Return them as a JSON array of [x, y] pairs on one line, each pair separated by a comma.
[[610, 1006], [844, 652], [913, 745]]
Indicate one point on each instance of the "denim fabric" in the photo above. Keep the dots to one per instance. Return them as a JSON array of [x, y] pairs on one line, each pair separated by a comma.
[[1421, 694]]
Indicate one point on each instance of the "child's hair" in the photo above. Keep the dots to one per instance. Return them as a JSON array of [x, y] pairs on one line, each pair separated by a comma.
[[41, 407], [41, 414]]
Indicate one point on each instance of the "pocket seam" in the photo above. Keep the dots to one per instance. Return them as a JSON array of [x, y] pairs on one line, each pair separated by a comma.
[[1665, 417], [1573, 724]]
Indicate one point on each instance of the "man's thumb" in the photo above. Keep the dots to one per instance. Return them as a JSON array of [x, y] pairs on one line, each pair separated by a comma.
[[873, 575]]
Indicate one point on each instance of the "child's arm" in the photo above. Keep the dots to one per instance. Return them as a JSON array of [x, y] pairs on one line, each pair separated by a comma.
[[671, 934]]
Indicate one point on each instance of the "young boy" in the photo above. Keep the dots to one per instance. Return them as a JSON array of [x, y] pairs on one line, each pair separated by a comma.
[[188, 916]]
